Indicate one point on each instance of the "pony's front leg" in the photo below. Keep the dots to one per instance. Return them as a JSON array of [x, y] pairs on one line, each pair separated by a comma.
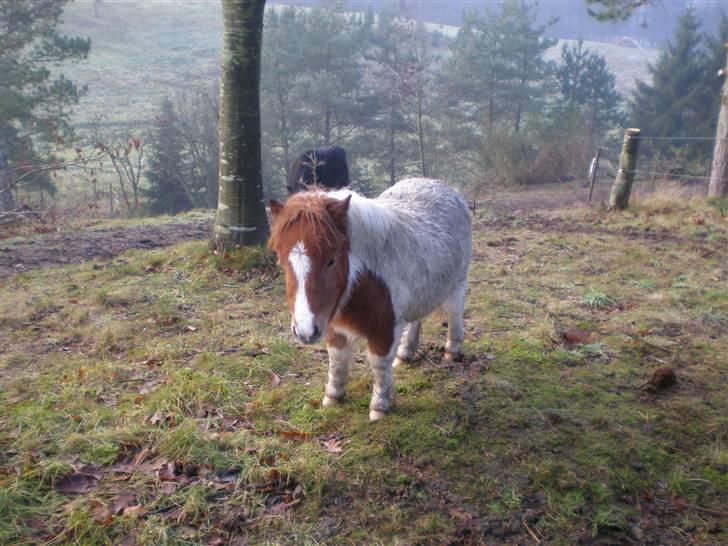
[[341, 354], [380, 354]]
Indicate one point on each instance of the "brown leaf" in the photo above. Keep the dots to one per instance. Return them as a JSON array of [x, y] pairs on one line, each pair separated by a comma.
[[577, 336], [121, 502], [76, 484], [663, 378], [189, 328], [167, 472], [295, 435], [275, 380], [333, 445], [214, 540], [139, 459], [168, 488], [123, 468], [162, 418]]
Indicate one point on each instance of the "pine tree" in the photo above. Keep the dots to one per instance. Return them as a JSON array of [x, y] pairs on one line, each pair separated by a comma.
[[587, 86], [166, 193], [675, 103], [35, 106]]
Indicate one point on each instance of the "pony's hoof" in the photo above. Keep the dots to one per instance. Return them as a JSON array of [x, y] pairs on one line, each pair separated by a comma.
[[329, 402], [452, 357], [376, 415]]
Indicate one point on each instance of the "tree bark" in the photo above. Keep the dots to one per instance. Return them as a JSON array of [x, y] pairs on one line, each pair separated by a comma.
[[619, 199], [241, 216], [7, 203], [718, 185], [420, 126]]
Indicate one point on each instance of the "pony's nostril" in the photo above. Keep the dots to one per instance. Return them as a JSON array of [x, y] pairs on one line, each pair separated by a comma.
[[316, 332]]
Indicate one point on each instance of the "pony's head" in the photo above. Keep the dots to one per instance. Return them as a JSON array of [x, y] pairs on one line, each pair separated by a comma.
[[309, 235]]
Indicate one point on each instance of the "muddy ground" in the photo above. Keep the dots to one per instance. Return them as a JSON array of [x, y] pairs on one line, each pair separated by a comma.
[[65, 247], [73, 246]]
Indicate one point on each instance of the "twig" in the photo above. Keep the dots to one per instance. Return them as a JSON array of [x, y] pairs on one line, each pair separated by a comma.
[[641, 340], [530, 532]]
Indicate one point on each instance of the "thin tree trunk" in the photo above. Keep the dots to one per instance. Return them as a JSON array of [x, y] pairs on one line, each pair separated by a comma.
[[392, 148], [7, 203], [241, 217], [420, 131], [718, 186]]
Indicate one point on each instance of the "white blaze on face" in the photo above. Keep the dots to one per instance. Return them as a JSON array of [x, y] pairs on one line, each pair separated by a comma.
[[303, 318]]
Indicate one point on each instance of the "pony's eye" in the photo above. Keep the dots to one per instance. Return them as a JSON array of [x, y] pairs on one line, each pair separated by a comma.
[[330, 262]]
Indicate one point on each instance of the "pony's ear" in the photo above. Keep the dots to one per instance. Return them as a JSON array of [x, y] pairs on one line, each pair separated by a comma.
[[275, 208], [338, 208]]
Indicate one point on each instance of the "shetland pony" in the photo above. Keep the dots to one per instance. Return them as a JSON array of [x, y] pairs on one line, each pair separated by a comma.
[[373, 269]]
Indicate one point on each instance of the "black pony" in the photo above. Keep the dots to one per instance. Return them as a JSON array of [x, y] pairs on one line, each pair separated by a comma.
[[325, 167]]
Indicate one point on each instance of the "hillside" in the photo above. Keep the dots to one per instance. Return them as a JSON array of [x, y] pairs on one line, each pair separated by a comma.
[[141, 50]]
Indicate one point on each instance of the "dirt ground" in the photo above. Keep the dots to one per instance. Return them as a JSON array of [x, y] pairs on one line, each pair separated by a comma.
[[65, 247], [74, 246]]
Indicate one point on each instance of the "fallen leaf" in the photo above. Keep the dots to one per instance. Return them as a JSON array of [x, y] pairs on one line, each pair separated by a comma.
[[167, 472], [214, 540], [295, 435], [123, 468], [162, 418], [189, 328], [76, 484], [663, 378], [168, 488], [139, 459], [275, 380], [333, 445], [121, 502], [576, 336]]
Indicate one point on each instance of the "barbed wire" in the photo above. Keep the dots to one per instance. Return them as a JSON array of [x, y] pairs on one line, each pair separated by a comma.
[[670, 175], [677, 138]]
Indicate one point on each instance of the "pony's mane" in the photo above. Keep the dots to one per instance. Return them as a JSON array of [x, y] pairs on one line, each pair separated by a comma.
[[307, 211]]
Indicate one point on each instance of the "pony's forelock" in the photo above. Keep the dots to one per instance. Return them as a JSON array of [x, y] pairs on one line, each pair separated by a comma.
[[308, 213]]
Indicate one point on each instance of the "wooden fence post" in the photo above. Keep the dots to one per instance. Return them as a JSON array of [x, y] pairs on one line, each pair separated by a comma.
[[619, 199], [593, 174]]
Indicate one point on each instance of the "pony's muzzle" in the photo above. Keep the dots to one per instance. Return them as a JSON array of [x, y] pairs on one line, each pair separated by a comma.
[[306, 337]]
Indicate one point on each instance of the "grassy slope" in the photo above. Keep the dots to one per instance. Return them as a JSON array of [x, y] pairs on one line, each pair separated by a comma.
[[142, 50], [176, 355]]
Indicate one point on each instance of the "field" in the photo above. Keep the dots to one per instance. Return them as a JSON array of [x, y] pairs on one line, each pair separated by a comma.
[[142, 50], [156, 397]]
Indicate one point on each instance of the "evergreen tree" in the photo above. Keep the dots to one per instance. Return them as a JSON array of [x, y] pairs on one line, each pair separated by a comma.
[[34, 106], [167, 193], [676, 102], [587, 86]]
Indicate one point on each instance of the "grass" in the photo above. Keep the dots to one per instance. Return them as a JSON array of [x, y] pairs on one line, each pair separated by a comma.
[[170, 374]]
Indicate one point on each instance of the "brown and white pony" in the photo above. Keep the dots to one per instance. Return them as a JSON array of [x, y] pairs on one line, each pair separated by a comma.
[[373, 269]]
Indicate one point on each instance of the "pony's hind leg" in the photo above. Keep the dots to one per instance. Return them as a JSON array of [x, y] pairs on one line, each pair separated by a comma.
[[454, 306], [341, 353], [408, 343]]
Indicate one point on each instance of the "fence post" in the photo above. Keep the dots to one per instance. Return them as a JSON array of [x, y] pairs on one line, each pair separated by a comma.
[[619, 199], [718, 185], [594, 172]]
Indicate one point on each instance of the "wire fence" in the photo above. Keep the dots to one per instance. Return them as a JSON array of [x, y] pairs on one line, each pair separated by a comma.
[[688, 167]]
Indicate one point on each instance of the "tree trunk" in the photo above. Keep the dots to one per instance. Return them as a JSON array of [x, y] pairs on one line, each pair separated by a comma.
[[241, 217], [619, 199], [7, 203], [420, 131], [718, 186], [392, 146]]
